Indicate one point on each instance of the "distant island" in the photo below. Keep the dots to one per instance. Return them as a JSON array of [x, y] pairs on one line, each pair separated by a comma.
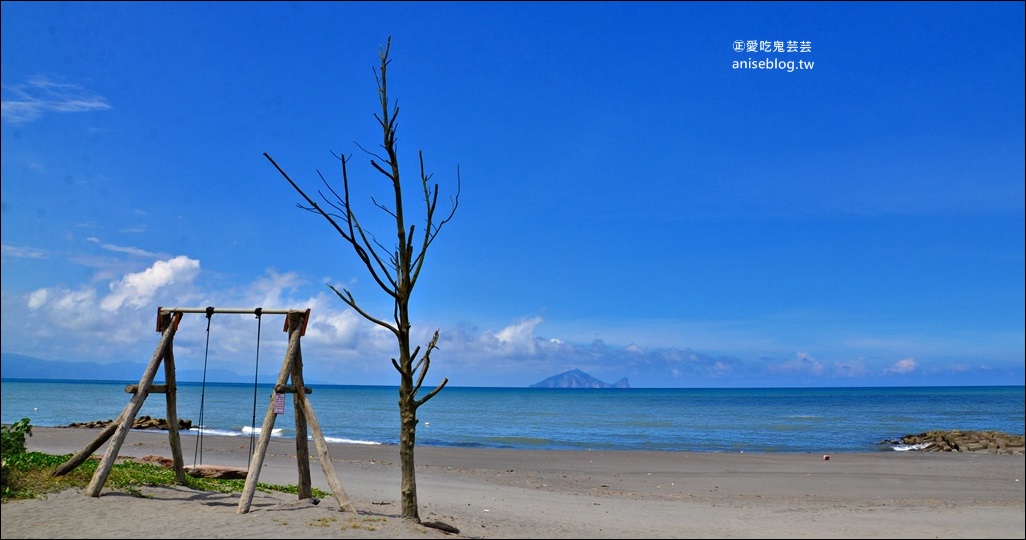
[[576, 378]]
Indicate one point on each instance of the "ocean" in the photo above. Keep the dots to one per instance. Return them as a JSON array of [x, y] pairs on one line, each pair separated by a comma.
[[768, 420]]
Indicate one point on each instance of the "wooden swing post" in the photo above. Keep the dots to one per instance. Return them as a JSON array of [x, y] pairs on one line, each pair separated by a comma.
[[292, 367], [167, 325], [168, 320]]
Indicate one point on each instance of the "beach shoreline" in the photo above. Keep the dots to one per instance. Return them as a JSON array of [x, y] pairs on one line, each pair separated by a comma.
[[495, 493]]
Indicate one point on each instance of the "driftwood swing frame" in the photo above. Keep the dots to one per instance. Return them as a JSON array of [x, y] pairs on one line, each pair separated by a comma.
[[292, 367]]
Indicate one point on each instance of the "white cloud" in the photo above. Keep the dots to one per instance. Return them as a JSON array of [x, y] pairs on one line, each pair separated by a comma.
[[269, 290], [905, 365], [634, 348], [520, 336], [343, 327], [137, 290], [29, 101], [801, 364], [122, 249], [19, 252], [65, 308], [66, 323], [111, 319], [38, 298]]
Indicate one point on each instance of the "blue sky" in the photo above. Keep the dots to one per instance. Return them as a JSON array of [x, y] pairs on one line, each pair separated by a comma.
[[632, 204]]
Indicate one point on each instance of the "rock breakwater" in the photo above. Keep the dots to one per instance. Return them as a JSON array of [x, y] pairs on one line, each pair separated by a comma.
[[993, 442], [142, 422]]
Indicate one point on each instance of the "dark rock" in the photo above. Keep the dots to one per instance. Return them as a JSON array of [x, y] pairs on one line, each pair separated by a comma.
[[142, 422]]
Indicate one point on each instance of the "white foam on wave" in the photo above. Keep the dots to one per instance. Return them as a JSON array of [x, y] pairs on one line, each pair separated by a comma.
[[910, 447], [348, 441], [250, 429], [206, 431]]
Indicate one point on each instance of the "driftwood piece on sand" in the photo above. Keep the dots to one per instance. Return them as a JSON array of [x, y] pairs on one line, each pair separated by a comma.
[[200, 471], [215, 471]]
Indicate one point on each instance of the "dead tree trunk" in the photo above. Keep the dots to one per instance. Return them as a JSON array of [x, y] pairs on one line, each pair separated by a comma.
[[395, 273]]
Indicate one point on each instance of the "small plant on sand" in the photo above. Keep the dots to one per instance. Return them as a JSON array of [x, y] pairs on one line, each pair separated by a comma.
[[14, 437], [322, 522], [365, 523], [12, 450]]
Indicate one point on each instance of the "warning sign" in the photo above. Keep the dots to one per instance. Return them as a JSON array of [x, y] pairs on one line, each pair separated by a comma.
[[279, 403]]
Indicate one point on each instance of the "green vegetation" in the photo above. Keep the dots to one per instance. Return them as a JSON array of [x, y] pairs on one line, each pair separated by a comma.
[[27, 475], [13, 440], [12, 447]]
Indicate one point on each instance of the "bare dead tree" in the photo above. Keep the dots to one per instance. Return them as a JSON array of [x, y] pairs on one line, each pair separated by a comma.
[[396, 273]]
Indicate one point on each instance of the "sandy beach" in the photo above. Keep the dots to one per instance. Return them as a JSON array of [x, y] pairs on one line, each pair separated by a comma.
[[488, 493]]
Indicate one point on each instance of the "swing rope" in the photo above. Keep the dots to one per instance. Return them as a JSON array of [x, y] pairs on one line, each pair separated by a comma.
[[256, 378], [203, 393]]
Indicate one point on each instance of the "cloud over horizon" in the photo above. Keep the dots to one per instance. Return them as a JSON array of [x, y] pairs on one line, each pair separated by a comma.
[[108, 316]]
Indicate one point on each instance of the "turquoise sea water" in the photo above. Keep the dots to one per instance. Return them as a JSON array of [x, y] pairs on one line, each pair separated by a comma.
[[817, 420]]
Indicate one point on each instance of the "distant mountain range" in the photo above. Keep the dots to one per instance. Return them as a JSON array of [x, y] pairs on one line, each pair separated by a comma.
[[576, 378], [20, 366]]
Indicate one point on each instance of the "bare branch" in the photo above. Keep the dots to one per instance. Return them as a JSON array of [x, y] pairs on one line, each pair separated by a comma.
[[313, 205], [347, 297], [431, 394], [372, 154], [426, 361], [368, 247], [429, 232], [386, 209], [382, 171], [409, 242], [392, 125], [365, 250]]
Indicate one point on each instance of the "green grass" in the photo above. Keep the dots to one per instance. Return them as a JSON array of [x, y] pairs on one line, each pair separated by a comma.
[[29, 475]]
